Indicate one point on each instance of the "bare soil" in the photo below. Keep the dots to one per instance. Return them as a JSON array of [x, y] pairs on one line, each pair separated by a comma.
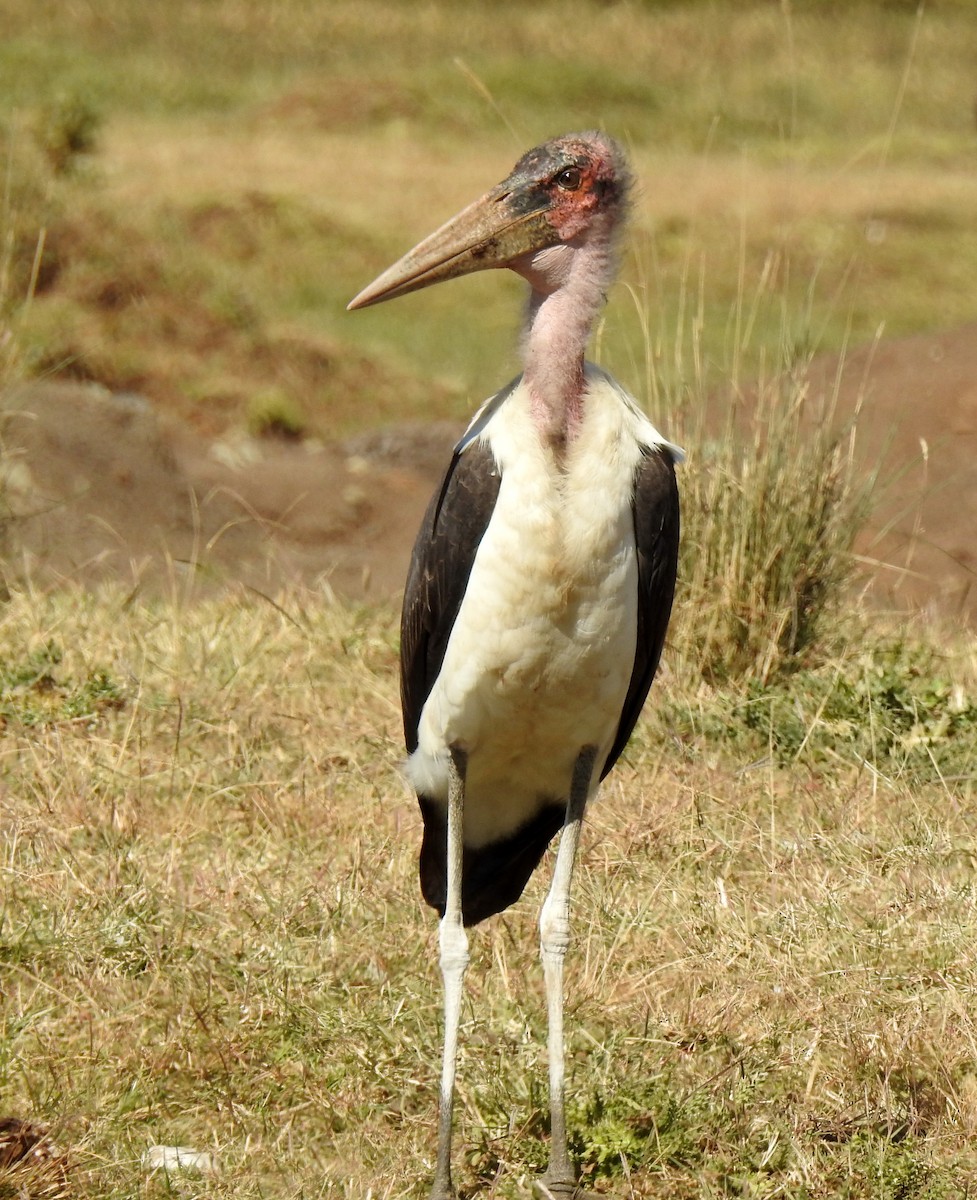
[[101, 485], [917, 430]]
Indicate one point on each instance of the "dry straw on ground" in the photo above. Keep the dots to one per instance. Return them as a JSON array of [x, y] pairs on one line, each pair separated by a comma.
[[211, 935]]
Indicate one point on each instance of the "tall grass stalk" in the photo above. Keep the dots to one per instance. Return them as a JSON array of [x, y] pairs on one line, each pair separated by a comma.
[[23, 208], [15, 300]]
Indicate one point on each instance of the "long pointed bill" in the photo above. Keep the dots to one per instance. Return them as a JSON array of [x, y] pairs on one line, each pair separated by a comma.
[[502, 226]]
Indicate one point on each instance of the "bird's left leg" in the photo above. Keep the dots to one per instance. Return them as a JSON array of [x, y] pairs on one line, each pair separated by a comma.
[[454, 960], [560, 1180]]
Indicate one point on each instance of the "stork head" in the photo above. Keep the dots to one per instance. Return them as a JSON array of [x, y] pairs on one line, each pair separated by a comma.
[[560, 194]]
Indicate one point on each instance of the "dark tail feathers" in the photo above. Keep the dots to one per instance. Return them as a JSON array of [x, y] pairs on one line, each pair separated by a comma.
[[493, 876]]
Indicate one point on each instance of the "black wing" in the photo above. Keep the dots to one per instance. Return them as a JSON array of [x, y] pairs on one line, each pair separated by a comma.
[[656, 529], [453, 527]]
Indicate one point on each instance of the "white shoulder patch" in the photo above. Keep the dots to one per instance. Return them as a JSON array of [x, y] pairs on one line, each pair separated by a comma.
[[645, 431], [485, 414]]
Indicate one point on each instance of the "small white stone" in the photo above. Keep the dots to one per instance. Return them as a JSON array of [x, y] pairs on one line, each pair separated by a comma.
[[173, 1159]]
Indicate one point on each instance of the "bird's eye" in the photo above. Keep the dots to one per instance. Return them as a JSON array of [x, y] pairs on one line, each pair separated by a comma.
[[568, 180]]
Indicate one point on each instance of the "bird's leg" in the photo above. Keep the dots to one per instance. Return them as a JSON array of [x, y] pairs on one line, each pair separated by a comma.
[[454, 960], [554, 927]]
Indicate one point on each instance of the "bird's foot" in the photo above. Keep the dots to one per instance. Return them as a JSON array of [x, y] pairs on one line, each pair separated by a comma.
[[440, 1191], [442, 1187], [548, 1188]]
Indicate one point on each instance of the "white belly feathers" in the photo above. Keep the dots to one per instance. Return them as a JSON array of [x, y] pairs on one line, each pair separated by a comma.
[[541, 653]]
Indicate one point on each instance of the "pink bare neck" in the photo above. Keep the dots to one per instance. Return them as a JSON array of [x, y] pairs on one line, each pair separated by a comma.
[[568, 284]]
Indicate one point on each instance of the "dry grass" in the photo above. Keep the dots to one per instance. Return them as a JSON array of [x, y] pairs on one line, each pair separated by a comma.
[[211, 936]]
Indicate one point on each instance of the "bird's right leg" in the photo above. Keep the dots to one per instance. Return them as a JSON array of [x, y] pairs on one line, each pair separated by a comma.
[[454, 960]]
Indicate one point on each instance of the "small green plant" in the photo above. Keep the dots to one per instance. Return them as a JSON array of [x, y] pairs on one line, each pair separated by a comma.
[[637, 1126], [274, 413], [37, 691], [67, 131]]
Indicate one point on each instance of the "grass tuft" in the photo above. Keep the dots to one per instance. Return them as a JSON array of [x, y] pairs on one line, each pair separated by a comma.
[[770, 523], [772, 499]]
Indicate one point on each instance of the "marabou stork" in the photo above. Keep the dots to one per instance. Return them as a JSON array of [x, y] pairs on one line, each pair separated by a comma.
[[540, 586]]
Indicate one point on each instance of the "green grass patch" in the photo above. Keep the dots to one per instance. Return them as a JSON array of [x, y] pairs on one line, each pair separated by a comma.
[[901, 710], [830, 72], [35, 690]]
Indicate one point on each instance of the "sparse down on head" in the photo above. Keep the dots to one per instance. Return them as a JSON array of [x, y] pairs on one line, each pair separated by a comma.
[[559, 193]]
